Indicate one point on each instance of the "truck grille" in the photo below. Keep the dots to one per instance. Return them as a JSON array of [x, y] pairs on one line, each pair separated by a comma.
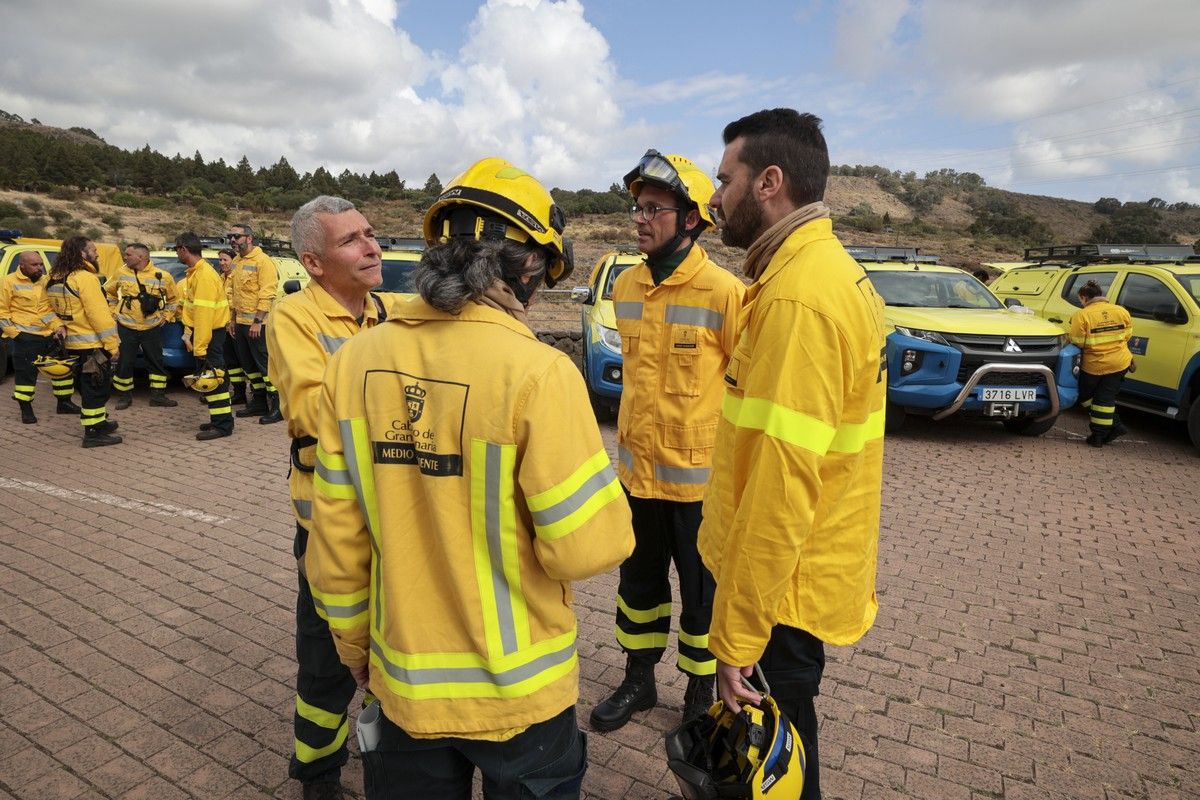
[[980, 350]]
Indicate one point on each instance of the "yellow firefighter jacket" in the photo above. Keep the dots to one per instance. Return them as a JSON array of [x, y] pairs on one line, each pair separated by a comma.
[[461, 486], [79, 303], [122, 290], [1102, 330], [24, 307], [205, 307], [254, 277], [791, 518], [676, 339], [303, 333]]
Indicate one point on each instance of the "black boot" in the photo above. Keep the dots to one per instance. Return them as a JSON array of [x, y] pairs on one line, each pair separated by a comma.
[[108, 426], [257, 406], [636, 693], [27, 415], [698, 696], [158, 397], [124, 401], [237, 394], [273, 413], [99, 438], [65, 406]]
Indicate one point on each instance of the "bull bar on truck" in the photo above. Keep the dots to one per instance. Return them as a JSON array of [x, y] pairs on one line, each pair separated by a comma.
[[965, 392]]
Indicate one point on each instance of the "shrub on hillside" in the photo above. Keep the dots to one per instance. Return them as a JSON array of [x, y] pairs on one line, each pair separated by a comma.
[[113, 220], [33, 204], [64, 193], [210, 209], [59, 215], [1106, 205], [94, 234], [28, 226], [1133, 223], [10, 211]]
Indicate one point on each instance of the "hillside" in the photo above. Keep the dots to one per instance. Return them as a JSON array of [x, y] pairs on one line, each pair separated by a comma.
[[56, 182]]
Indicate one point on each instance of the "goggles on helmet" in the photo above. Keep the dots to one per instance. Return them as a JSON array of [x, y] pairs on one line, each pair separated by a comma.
[[655, 168]]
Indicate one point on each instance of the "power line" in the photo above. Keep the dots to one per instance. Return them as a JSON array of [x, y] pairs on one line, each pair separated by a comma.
[[1098, 154], [1067, 110], [1141, 123], [1180, 168]]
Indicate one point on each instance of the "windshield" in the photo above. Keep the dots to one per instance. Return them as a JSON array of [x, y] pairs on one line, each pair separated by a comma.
[[171, 265], [1191, 285], [932, 290], [397, 276], [616, 270]]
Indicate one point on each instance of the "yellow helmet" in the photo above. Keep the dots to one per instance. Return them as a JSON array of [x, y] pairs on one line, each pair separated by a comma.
[[205, 380], [495, 200], [755, 753], [55, 366], [675, 174]]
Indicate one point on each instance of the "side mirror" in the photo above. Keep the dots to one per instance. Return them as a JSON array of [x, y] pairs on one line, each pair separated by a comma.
[[582, 294], [1011, 302], [1170, 313], [291, 286]]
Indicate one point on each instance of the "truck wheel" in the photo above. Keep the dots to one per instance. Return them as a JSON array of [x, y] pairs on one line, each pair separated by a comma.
[[1027, 427], [601, 407], [894, 417], [1193, 422]]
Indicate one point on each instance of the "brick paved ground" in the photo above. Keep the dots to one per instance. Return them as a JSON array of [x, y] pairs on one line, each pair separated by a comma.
[[1038, 635]]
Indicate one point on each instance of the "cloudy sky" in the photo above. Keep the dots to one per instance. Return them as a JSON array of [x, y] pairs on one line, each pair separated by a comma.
[[1071, 98]]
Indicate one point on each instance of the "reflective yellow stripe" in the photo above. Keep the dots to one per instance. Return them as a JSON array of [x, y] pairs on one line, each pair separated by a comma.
[[563, 509], [307, 755], [332, 476], [319, 716], [779, 422], [342, 611], [851, 437], [210, 303], [649, 615], [1105, 409], [641, 641], [800, 429], [470, 675], [700, 642], [494, 541], [693, 667]]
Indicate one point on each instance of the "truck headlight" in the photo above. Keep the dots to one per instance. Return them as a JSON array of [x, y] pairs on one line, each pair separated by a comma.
[[928, 336], [610, 338]]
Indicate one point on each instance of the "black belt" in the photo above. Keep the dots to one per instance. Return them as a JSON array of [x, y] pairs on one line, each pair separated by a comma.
[[298, 444]]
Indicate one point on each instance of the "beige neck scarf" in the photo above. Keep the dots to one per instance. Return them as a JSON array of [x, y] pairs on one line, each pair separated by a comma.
[[764, 247], [501, 298]]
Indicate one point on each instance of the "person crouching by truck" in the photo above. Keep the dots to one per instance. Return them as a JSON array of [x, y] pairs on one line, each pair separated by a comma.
[[1102, 330], [78, 301]]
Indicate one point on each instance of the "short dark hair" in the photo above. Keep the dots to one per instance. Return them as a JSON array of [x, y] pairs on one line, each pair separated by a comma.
[[189, 241], [1090, 289], [226, 251], [139, 246], [789, 140], [246, 229]]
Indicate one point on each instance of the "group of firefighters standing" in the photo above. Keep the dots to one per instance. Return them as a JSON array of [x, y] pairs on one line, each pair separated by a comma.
[[449, 480], [86, 335]]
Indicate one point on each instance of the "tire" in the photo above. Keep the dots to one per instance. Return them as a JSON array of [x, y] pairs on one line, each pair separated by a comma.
[[1026, 426], [1193, 422], [894, 417]]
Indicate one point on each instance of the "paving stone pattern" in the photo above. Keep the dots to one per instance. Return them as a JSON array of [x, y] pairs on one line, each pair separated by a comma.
[[1037, 636]]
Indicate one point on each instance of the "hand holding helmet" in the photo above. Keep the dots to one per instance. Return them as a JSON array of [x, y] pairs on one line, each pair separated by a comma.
[[754, 752]]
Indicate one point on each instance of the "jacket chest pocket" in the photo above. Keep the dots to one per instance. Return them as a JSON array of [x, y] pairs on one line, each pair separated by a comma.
[[739, 362], [685, 346], [630, 331]]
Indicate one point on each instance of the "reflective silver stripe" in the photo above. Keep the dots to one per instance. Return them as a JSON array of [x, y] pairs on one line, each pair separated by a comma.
[[340, 612], [492, 523], [303, 508], [337, 476], [83, 338], [692, 475], [331, 343], [22, 287], [249, 267], [572, 503], [29, 328], [129, 322], [628, 310], [625, 457], [695, 315], [350, 452], [48, 318], [465, 675]]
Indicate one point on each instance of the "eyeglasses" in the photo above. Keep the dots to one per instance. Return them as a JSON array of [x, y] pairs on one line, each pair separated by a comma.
[[648, 212], [235, 236]]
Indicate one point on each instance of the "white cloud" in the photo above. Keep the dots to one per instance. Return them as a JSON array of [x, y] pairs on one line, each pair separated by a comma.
[[867, 34], [323, 82]]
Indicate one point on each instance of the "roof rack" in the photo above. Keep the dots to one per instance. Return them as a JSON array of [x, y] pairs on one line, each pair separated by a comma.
[[1086, 253], [9, 234], [910, 255], [415, 244]]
